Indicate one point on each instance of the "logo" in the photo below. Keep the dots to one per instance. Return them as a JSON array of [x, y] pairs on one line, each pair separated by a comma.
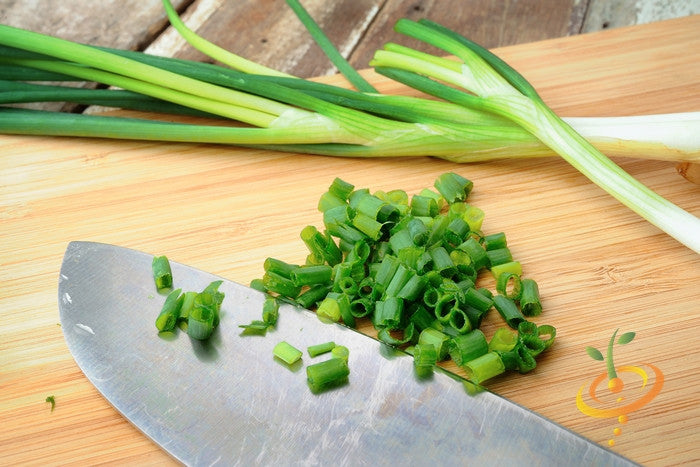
[[628, 387]]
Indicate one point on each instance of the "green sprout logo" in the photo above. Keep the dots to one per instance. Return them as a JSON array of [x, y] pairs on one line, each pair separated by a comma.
[[626, 393]]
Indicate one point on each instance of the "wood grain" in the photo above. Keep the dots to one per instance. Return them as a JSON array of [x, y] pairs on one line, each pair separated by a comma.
[[225, 210]]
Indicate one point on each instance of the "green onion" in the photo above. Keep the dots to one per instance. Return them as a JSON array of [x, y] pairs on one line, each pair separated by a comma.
[[484, 367], [327, 374], [509, 285], [466, 347], [286, 352], [413, 295], [318, 349], [341, 352], [492, 82], [51, 400], [425, 357], [508, 310], [203, 318], [170, 313], [530, 298], [329, 310], [503, 340], [162, 275]]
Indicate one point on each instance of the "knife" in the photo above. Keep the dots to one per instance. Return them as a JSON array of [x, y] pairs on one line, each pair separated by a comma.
[[227, 401]]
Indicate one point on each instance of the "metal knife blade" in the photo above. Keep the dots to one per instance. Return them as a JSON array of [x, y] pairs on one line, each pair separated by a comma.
[[229, 402]]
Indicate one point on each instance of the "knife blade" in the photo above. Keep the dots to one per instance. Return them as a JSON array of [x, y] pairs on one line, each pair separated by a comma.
[[227, 401]]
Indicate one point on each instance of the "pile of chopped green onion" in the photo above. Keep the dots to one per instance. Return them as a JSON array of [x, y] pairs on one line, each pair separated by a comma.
[[497, 114], [410, 265], [196, 313]]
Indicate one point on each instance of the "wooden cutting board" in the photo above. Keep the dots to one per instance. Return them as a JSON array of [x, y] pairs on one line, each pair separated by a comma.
[[224, 210]]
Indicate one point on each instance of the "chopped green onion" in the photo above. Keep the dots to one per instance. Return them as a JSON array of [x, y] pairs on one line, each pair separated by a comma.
[[466, 347], [340, 351], [510, 285], [437, 339], [204, 316], [508, 310], [453, 187], [530, 298], [327, 374], [499, 256], [329, 310], [513, 267], [311, 275], [286, 352], [256, 326], [51, 400], [484, 367], [279, 267], [495, 241], [313, 295], [162, 275], [270, 311], [318, 349], [169, 314], [424, 359], [503, 340]]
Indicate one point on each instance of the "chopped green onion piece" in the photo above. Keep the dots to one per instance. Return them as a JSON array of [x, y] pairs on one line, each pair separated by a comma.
[[530, 298], [503, 340], [466, 347], [170, 312], [484, 367], [424, 359], [51, 400], [478, 300], [329, 310], [499, 256], [313, 295], [204, 315], [341, 188], [255, 327], [340, 351], [162, 275], [459, 320], [311, 275], [385, 335], [525, 360], [508, 310], [270, 311], [510, 285], [327, 374], [279, 267], [495, 241], [476, 252], [318, 349], [286, 352], [437, 339], [513, 267], [423, 206], [277, 283], [547, 331], [453, 187]]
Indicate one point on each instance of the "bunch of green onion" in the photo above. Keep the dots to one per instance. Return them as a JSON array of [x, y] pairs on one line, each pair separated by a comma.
[[497, 115], [410, 266]]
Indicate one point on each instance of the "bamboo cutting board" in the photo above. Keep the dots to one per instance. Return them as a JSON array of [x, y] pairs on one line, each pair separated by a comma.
[[600, 267]]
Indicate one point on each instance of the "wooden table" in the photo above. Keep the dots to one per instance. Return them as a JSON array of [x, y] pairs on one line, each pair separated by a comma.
[[225, 209]]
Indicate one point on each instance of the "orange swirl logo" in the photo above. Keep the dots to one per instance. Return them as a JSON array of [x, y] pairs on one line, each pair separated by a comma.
[[628, 386]]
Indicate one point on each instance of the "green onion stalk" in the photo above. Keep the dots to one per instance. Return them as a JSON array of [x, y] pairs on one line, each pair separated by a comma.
[[496, 88], [260, 107]]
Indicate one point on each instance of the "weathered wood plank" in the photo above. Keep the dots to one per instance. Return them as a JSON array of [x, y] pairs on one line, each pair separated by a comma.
[[98, 23], [489, 23], [606, 14]]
